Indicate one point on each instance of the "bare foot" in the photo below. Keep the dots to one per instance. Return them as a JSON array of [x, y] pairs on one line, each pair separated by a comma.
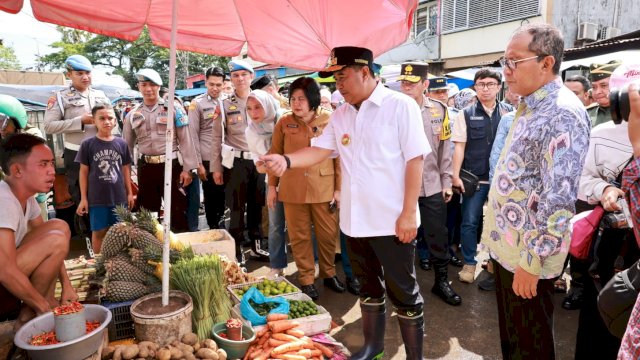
[[25, 315]]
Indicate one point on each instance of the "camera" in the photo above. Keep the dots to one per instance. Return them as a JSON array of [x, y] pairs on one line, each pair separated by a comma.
[[619, 219], [619, 104]]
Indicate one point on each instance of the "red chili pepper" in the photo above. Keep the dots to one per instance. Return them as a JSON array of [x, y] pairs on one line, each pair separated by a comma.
[[71, 308], [49, 338]]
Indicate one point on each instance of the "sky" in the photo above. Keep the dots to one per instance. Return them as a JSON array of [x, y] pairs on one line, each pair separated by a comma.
[[29, 37]]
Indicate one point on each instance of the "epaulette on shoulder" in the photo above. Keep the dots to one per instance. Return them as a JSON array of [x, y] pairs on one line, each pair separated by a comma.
[[592, 106]]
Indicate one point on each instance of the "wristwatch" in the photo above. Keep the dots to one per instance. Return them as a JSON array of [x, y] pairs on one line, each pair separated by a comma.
[[448, 192], [286, 158]]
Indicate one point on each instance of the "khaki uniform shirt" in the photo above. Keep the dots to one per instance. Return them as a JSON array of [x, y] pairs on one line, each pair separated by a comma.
[[598, 114], [148, 126], [315, 184], [437, 170], [69, 123], [204, 111], [235, 116]]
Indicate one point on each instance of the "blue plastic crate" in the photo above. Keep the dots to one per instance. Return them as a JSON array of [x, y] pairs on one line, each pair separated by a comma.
[[121, 326]]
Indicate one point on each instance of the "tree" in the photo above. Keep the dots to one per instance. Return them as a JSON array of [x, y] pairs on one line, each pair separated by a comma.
[[8, 58], [125, 57]]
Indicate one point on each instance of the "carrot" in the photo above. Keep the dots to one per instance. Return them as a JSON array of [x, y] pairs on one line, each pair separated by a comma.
[[264, 338], [257, 352], [262, 332], [288, 347], [275, 343], [263, 355], [249, 350], [284, 337], [304, 352], [282, 325], [290, 357], [276, 317], [295, 332], [316, 353], [325, 350]]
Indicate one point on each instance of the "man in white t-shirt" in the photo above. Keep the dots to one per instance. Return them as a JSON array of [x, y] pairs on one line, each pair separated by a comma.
[[32, 250], [380, 139]]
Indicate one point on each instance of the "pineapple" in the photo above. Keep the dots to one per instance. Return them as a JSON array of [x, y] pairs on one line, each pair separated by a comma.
[[142, 240], [146, 221], [139, 260], [124, 291], [158, 271], [116, 240], [119, 270], [173, 242]]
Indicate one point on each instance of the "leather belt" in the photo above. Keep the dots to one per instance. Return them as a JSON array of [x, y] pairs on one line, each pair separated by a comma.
[[71, 146], [242, 154], [157, 159]]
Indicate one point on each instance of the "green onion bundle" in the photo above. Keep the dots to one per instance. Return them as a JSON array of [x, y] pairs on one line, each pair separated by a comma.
[[202, 277]]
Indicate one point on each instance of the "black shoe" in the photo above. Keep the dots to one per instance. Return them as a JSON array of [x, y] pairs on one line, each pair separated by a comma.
[[240, 256], [334, 284], [456, 261], [488, 284], [373, 323], [257, 251], [425, 264], [441, 286], [310, 291], [574, 300], [353, 286]]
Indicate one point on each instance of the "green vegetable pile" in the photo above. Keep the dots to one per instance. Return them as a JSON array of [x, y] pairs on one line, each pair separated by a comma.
[[297, 308], [268, 288]]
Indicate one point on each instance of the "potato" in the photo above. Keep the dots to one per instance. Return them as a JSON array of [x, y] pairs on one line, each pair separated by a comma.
[[205, 353], [185, 348], [196, 346], [107, 353], [176, 354], [190, 356], [164, 354], [210, 344], [130, 352], [222, 355], [189, 339], [147, 349]]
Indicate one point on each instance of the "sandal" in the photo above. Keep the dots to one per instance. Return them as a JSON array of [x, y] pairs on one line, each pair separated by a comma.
[[560, 285]]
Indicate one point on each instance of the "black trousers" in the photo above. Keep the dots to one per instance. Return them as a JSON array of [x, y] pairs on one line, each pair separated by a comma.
[[526, 325], [433, 217], [151, 191], [72, 173], [214, 199], [383, 262], [244, 192], [454, 219]]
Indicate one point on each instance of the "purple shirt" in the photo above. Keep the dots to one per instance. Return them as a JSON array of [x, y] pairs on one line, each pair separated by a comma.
[[105, 160]]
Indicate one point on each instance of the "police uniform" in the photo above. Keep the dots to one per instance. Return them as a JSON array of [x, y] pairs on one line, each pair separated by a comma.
[[597, 113], [147, 126], [204, 112], [245, 187], [64, 116]]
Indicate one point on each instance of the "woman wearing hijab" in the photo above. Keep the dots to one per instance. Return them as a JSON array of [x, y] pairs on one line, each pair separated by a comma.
[[263, 112], [310, 195]]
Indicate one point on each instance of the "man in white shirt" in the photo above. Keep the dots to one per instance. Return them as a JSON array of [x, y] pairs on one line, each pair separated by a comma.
[[32, 250], [381, 142]]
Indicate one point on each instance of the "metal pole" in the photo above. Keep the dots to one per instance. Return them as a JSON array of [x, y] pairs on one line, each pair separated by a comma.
[[169, 152]]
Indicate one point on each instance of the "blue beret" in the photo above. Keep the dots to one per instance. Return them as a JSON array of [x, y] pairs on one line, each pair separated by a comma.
[[78, 63], [235, 65]]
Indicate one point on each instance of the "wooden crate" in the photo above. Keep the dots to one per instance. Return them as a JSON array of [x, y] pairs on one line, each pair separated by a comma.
[[311, 325], [236, 299], [217, 241]]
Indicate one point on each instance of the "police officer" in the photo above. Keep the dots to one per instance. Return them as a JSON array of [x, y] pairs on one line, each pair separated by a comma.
[[204, 111], [146, 125], [436, 190], [599, 76], [439, 89], [69, 113], [244, 185]]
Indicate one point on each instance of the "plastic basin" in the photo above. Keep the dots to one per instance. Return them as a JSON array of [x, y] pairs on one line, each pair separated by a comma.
[[77, 349], [234, 349]]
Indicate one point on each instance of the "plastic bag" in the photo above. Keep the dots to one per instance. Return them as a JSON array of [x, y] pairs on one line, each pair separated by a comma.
[[250, 314]]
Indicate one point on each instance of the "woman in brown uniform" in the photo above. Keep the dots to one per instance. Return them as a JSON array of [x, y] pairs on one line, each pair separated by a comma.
[[309, 195]]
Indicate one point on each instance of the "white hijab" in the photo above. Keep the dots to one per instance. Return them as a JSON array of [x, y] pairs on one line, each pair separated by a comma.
[[259, 134]]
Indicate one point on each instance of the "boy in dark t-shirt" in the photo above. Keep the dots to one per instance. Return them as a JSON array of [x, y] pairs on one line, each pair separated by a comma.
[[105, 175]]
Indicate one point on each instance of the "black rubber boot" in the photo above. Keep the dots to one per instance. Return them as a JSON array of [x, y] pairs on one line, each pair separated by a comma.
[[412, 330], [441, 286], [373, 323]]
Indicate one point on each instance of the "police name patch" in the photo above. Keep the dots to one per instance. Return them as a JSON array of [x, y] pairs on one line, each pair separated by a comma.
[[292, 126], [233, 107]]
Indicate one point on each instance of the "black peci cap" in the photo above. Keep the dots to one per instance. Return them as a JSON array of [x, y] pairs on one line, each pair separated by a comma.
[[344, 56]]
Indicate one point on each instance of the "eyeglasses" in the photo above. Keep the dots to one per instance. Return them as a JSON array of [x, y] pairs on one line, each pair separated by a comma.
[[489, 85], [513, 64]]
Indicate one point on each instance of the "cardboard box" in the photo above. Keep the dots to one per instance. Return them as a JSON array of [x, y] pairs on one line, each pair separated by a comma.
[[217, 241]]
